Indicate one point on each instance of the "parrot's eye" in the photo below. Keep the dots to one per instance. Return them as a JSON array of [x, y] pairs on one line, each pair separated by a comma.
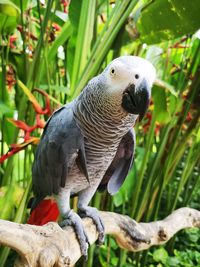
[[137, 76], [112, 71]]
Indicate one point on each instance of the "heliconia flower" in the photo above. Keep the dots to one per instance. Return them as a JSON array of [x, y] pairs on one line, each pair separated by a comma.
[[15, 148], [33, 37], [148, 123], [10, 78], [177, 44], [56, 26], [184, 126], [189, 117], [21, 125], [32, 140], [19, 27], [12, 39], [28, 129], [31, 98], [157, 128], [10, 81], [29, 34], [40, 123], [65, 4], [10, 153], [47, 109]]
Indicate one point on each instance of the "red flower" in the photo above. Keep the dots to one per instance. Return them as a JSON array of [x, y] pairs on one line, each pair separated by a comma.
[[12, 39], [15, 148], [65, 4], [10, 78], [147, 124], [55, 26], [28, 139], [38, 108], [189, 117]]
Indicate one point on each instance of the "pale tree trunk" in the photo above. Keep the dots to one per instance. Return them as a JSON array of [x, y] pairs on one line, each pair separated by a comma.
[[49, 245]]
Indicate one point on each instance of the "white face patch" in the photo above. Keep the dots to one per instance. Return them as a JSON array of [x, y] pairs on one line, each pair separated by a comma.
[[128, 70]]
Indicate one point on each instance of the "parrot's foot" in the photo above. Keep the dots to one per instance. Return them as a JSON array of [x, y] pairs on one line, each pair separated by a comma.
[[94, 215], [73, 219]]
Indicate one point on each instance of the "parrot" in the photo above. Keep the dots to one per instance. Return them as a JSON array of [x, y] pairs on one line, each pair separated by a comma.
[[89, 143]]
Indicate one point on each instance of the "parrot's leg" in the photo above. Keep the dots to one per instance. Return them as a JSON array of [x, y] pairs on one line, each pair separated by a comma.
[[85, 211], [71, 218]]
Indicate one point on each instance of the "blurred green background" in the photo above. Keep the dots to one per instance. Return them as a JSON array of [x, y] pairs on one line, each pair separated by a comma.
[[56, 47]]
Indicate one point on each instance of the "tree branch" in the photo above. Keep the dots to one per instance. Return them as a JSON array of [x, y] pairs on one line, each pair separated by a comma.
[[49, 245]]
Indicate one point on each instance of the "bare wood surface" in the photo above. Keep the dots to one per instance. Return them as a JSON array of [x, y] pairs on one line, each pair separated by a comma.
[[49, 245]]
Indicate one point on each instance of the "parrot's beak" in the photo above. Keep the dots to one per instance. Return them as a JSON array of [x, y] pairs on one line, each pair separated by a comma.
[[136, 100]]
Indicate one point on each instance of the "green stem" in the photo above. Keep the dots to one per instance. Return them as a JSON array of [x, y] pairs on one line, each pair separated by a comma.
[[154, 168], [33, 72], [3, 97], [24, 42], [189, 166], [140, 177]]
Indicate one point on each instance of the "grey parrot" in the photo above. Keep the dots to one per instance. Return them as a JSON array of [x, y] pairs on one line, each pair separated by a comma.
[[89, 143]]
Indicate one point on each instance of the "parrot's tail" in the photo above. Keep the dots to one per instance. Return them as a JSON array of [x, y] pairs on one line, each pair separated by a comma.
[[45, 211]]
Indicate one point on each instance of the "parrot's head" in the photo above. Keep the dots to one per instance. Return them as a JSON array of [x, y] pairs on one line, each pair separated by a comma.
[[127, 83]]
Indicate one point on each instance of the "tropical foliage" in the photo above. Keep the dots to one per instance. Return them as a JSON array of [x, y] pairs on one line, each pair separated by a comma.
[[48, 52]]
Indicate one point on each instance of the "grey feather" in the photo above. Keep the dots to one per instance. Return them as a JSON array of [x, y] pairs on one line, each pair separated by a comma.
[[121, 164], [61, 143]]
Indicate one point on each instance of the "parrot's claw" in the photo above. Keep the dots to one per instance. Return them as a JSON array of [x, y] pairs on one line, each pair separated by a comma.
[[72, 219], [94, 215]]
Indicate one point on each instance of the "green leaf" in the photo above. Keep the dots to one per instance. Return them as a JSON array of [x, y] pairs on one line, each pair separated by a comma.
[[166, 86], [83, 32], [5, 109], [9, 130], [7, 202], [18, 218], [58, 88], [168, 19], [172, 104], [126, 190], [74, 13], [193, 235], [160, 105], [9, 8], [118, 199], [173, 261], [114, 261], [160, 255], [24, 3], [74, 16], [9, 15]]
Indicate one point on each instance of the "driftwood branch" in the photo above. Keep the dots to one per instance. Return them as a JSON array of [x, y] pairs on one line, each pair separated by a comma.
[[49, 245]]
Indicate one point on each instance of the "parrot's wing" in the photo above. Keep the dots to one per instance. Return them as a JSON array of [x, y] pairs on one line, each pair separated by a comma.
[[121, 164], [62, 144]]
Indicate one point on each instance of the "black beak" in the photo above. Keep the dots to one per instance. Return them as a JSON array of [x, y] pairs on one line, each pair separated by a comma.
[[136, 100]]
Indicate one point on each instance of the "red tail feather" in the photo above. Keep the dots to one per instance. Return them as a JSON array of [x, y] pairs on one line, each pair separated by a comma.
[[46, 211]]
